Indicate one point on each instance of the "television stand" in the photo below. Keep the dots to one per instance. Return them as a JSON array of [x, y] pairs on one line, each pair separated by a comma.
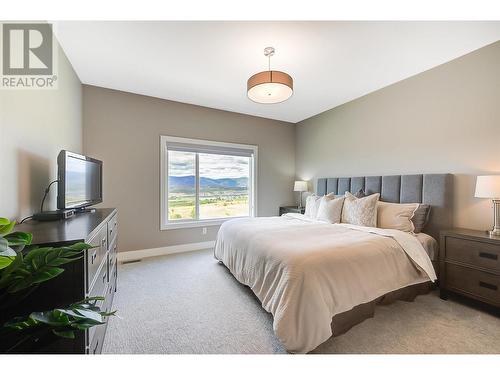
[[54, 215], [85, 209]]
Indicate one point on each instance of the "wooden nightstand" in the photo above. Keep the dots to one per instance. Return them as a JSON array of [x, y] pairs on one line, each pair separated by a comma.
[[469, 264], [292, 209]]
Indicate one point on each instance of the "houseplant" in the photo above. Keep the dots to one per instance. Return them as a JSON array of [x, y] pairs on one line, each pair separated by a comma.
[[22, 269]]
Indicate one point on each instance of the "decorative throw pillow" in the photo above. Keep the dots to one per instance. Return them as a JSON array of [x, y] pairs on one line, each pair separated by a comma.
[[330, 210], [360, 211], [421, 217], [396, 216], [312, 205]]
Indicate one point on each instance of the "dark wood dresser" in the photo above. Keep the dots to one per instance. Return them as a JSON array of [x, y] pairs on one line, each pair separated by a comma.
[[93, 275], [469, 264]]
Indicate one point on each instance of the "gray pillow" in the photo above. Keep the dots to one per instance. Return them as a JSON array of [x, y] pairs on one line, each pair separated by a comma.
[[360, 194], [421, 217]]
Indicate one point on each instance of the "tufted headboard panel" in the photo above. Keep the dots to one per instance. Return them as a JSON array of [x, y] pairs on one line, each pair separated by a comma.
[[435, 190]]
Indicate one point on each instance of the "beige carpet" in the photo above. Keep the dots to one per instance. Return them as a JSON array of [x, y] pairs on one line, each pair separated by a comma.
[[188, 303]]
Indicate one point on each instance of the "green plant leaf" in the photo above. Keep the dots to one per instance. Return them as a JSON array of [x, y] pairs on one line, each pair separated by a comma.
[[5, 261], [5, 250], [4, 221], [64, 334], [16, 262], [61, 322], [79, 247], [20, 323], [51, 318], [18, 283], [38, 265], [88, 314], [7, 228], [46, 274], [19, 238]]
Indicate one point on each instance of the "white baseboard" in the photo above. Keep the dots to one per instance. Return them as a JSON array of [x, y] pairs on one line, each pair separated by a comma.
[[146, 253]]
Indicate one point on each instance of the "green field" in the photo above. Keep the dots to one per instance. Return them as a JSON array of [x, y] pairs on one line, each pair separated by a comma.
[[182, 206]]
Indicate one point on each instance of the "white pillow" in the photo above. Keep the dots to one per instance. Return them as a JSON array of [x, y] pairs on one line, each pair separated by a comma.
[[330, 210], [312, 205], [396, 216], [360, 211]]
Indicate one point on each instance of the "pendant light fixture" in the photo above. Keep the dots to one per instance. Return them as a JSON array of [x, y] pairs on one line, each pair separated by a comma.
[[270, 86]]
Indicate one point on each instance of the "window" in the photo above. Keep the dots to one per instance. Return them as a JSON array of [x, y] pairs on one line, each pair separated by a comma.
[[205, 182]]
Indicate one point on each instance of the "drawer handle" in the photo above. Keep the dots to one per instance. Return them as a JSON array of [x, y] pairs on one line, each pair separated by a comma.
[[96, 345], [92, 258], [488, 256], [103, 242], [104, 277], [488, 285]]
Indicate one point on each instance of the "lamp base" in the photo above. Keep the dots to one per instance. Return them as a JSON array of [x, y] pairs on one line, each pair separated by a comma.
[[494, 233]]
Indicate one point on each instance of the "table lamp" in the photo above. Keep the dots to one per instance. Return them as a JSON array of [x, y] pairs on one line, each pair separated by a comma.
[[300, 186], [489, 187]]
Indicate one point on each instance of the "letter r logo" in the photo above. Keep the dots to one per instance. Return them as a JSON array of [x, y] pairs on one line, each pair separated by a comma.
[[27, 49]]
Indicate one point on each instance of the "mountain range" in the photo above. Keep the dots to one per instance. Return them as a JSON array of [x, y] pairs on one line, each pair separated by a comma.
[[187, 182]]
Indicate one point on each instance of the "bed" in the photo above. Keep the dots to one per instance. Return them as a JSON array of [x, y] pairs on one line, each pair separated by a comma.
[[319, 279]]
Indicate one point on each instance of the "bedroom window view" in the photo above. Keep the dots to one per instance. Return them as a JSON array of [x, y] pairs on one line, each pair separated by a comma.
[[204, 185]]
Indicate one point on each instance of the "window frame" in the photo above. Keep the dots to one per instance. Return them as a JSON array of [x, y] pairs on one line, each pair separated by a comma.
[[166, 224]]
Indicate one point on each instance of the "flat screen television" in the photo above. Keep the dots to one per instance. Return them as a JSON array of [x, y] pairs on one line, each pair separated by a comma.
[[80, 181]]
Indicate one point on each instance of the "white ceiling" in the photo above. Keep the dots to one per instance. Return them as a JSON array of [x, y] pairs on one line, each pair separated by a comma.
[[208, 63]]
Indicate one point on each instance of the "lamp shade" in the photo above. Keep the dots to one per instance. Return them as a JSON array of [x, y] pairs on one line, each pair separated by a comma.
[[300, 186], [270, 87], [488, 186]]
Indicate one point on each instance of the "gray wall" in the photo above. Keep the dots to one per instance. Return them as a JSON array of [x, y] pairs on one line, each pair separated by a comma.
[[34, 126], [124, 129], [444, 120]]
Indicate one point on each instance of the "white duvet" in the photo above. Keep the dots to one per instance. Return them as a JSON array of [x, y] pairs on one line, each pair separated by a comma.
[[304, 272]]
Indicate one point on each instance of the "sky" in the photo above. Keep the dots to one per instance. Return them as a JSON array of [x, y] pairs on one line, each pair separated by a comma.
[[211, 165]]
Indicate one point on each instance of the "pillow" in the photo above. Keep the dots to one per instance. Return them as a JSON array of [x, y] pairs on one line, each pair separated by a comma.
[[396, 216], [312, 205], [421, 217], [360, 194], [360, 211], [330, 210]]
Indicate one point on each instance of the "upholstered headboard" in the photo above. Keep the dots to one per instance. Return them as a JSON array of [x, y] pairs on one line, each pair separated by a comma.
[[433, 189]]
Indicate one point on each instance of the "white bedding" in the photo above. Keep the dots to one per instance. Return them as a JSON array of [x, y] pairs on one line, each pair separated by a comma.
[[304, 272]]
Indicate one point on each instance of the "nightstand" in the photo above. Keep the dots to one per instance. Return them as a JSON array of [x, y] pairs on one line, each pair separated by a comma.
[[469, 264], [292, 209]]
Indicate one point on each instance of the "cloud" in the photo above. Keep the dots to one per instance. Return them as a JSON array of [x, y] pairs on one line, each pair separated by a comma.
[[211, 165]]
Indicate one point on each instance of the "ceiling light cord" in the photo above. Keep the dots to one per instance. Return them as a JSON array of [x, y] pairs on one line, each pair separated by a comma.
[[269, 52]]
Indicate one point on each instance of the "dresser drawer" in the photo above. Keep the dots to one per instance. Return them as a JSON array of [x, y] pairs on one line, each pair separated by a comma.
[[95, 256], [478, 283], [112, 253], [100, 283], [112, 229], [99, 289], [97, 339], [480, 254]]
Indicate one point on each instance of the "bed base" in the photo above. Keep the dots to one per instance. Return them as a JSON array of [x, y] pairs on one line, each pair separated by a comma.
[[345, 321]]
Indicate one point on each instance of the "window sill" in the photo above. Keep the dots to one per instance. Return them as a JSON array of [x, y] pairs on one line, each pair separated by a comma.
[[197, 223]]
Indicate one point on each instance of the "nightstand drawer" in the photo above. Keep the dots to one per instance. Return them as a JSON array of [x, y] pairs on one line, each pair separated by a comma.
[[475, 253], [477, 283]]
